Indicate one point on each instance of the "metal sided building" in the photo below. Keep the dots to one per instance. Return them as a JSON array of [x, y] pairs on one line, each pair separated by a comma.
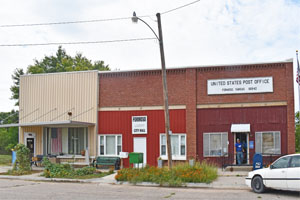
[[63, 114]]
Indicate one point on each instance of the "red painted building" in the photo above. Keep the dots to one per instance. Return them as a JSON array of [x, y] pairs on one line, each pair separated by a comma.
[[210, 107]]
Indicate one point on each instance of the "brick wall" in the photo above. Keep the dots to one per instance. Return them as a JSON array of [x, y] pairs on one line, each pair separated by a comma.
[[188, 87]]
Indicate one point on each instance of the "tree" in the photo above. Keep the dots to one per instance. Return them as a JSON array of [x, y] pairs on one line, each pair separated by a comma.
[[15, 88], [8, 136], [61, 62], [297, 123]]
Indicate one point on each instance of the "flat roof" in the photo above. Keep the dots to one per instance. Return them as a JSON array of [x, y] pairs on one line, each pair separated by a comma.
[[200, 66], [56, 124]]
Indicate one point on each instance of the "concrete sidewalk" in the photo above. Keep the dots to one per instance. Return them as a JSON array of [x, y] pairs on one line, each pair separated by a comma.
[[226, 180]]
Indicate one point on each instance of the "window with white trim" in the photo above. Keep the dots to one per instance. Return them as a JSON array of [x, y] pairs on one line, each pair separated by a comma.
[[215, 144], [110, 145], [178, 146], [268, 142]]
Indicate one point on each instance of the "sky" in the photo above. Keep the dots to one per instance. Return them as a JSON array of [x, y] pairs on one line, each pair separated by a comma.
[[208, 32]]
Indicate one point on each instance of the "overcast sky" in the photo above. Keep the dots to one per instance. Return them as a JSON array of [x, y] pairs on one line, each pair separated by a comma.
[[205, 33]]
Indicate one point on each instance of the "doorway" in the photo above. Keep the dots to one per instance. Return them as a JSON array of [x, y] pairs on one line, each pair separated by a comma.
[[30, 142], [140, 145], [244, 139]]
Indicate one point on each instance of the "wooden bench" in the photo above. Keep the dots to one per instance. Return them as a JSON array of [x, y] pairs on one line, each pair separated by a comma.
[[107, 161]]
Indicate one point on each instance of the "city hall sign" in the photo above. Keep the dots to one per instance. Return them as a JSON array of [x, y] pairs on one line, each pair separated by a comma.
[[240, 85]]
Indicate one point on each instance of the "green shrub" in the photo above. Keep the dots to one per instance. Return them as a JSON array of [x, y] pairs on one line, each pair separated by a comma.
[[177, 176], [22, 164], [52, 170]]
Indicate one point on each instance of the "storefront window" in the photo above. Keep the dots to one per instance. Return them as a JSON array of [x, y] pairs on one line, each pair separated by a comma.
[[110, 144], [178, 146], [267, 142], [64, 141], [215, 144]]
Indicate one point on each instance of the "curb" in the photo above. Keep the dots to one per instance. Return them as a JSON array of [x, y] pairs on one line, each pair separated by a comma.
[[114, 182], [186, 185]]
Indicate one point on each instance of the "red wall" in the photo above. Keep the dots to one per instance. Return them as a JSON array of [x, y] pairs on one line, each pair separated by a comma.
[[119, 122], [259, 118]]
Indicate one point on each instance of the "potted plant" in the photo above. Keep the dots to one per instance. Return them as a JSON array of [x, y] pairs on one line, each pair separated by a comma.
[[83, 152], [191, 161], [159, 162]]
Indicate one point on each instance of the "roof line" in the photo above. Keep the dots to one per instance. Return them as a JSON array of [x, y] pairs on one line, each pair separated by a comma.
[[290, 60], [53, 73]]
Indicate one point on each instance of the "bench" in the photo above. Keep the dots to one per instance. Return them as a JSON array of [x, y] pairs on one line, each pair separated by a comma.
[[107, 161]]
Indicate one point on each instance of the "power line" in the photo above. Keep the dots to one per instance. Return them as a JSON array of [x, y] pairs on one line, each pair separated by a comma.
[[68, 22], [81, 42], [179, 7]]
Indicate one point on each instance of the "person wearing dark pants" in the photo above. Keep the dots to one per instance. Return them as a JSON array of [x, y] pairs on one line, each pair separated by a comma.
[[239, 151]]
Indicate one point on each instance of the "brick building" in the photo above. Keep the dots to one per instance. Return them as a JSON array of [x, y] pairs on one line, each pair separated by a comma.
[[210, 107], [204, 126]]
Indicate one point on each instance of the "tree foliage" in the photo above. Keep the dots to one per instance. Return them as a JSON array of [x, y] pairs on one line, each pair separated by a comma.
[[8, 136], [60, 62], [16, 86]]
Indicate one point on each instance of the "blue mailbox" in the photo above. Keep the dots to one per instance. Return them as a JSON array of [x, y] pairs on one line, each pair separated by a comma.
[[14, 157], [257, 161]]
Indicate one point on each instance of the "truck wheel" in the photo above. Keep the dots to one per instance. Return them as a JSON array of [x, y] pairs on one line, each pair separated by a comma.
[[257, 184]]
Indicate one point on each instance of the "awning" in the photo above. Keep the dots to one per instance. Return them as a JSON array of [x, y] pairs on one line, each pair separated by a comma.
[[67, 123], [238, 128]]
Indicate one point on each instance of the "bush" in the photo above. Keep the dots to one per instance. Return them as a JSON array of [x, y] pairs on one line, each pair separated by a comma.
[[179, 174], [22, 164], [64, 170]]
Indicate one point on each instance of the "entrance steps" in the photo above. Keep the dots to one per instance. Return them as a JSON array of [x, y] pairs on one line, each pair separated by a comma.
[[237, 168]]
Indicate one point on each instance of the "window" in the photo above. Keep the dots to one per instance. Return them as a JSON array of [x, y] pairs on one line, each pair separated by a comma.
[[267, 142], [178, 146], [215, 144], [64, 141], [295, 161], [281, 163], [110, 144], [77, 140]]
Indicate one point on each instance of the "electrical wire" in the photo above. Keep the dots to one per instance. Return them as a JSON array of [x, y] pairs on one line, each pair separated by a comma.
[[69, 22], [81, 42], [168, 11]]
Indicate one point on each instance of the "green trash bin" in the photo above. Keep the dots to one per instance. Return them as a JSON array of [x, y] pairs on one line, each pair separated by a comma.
[[135, 158]]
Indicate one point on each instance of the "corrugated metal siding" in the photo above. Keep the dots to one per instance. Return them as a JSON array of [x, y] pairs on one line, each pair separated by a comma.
[[38, 130], [259, 118], [48, 97], [119, 122]]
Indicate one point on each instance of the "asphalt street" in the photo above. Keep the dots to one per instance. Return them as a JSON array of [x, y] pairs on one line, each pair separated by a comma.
[[17, 189]]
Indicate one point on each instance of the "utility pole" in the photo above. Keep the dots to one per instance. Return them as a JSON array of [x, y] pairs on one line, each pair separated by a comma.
[[165, 91], [164, 81]]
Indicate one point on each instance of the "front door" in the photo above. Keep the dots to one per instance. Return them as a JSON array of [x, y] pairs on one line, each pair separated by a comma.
[[30, 142], [30, 145], [140, 146], [244, 139]]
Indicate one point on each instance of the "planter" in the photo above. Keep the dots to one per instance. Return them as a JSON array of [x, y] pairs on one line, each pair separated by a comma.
[[192, 162], [159, 163]]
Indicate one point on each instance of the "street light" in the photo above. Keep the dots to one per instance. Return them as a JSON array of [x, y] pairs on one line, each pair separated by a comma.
[[164, 80]]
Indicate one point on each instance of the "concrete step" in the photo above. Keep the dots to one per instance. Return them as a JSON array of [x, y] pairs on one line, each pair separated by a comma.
[[242, 168]]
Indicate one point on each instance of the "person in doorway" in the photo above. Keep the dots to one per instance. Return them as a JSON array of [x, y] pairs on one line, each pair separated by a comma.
[[239, 151]]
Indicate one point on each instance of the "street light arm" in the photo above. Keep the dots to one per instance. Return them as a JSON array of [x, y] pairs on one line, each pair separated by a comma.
[[149, 27]]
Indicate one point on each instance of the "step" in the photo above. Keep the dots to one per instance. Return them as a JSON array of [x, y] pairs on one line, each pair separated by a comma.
[[235, 168]]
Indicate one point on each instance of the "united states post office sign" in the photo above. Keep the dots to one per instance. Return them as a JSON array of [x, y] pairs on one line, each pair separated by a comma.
[[139, 124], [240, 85]]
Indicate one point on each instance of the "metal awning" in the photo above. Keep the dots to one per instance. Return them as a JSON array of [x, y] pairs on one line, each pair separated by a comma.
[[238, 128], [67, 123]]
